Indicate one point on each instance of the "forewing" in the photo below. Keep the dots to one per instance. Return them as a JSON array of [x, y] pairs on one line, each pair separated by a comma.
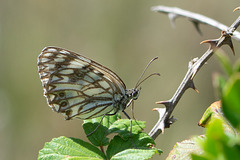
[[77, 86]]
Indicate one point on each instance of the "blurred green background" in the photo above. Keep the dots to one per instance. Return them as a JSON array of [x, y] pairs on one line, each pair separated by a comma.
[[122, 35]]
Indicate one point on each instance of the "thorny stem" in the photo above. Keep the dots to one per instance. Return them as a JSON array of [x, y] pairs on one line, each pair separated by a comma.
[[194, 66], [174, 13]]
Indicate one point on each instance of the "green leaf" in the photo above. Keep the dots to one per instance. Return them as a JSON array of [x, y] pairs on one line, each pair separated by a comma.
[[135, 154], [231, 100], [219, 145], [215, 134], [117, 144], [215, 112], [69, 149], [236, 66], [123, 127], [198, 157], [98, 137], [184, 149], [218, 84]]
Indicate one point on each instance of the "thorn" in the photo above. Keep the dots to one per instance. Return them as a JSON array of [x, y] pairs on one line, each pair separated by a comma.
[[226, 39], [162, 102], [167, 103], [172, 18], [161, 124], [196, 90], [193, 86], [159, 109], [210, 41], [162, 130], [172, 120], [238, 8], [196, 25], [230, 44]]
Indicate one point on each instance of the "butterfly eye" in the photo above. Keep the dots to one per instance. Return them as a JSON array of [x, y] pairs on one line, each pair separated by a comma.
[[135, 94]]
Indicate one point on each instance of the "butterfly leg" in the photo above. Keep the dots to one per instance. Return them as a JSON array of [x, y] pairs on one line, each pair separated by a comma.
[[130, 127], [133, 115], [97, 126], [109, 114]]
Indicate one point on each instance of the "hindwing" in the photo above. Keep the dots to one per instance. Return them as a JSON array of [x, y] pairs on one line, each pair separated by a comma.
[[78, 86]]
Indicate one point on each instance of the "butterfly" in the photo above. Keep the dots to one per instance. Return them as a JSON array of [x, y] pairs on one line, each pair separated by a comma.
[[77, 86]]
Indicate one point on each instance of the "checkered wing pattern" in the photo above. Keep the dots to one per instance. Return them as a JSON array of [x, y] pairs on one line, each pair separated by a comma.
[[77, 86]]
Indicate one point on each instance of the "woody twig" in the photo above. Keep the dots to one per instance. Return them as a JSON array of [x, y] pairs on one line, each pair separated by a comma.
[[165, 118], [195, 18]]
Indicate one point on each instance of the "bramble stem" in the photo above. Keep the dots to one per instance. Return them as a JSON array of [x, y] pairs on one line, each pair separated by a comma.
[[194, 66]]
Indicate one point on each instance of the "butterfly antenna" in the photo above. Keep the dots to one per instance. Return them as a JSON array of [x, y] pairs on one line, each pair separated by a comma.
[[138, 82], [153, 74]]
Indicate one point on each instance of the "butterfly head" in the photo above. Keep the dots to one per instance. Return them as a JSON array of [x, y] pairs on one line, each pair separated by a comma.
[[133, 93]]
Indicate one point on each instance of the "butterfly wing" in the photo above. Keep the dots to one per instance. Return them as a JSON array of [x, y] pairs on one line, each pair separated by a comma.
[[78, 86]]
